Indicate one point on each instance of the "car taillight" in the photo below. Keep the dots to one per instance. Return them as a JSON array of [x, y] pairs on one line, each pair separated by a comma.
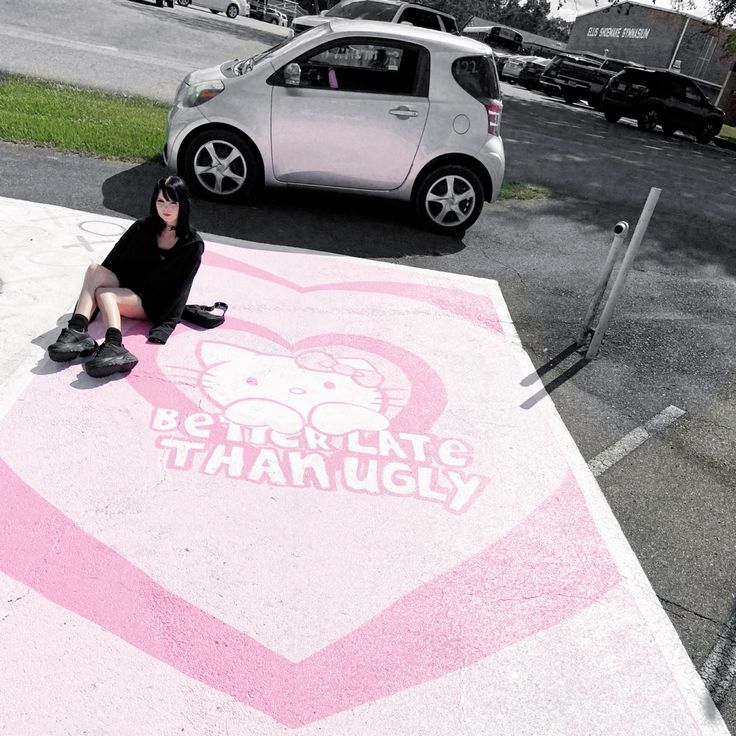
[[494, 108]]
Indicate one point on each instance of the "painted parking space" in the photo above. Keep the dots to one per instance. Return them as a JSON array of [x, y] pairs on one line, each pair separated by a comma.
[[330, 515]]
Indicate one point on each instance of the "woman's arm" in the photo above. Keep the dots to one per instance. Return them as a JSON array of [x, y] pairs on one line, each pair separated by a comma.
[[118, 258], [171, 315]]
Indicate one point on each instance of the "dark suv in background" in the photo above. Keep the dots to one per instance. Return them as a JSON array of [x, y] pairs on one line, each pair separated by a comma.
[[661, 98]]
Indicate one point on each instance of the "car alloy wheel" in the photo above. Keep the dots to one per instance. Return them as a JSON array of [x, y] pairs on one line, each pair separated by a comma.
[[221, 165], [232, 11], [184, 3], [449, 199], [648, 120]]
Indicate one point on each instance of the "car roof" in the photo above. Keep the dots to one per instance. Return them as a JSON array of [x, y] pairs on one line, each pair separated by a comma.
[[397, 3], [405, 32]]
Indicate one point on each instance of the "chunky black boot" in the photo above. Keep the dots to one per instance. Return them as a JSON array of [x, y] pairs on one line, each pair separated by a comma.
[[72, 344], [109, 359]]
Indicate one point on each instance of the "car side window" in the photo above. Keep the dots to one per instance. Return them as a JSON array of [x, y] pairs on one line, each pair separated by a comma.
[[692, 94], [450, 25], [380, 68], [421, 18]]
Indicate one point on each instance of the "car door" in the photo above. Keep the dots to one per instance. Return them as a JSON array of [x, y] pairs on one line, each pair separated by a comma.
[[694, 108], [356, 116]]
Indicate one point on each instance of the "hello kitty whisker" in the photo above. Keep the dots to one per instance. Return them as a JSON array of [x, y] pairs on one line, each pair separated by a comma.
[[182, 368]]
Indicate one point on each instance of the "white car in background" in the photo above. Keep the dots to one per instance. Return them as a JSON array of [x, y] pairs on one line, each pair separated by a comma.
[[355, 106], [231, 8], [513, 66]]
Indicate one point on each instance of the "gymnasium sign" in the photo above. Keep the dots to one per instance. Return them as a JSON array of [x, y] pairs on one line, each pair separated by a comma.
[[596, 32]]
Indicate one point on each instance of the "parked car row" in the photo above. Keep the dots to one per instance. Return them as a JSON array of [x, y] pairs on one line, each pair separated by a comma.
[[234, 8], [517, 68], [356, 106], [231, 8], [391, 11], [624, 89]]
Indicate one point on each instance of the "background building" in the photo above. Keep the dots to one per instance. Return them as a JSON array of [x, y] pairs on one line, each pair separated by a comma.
[[664, 39]]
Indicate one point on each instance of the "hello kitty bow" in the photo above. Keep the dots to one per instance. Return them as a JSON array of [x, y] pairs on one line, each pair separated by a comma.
[[318, 361]]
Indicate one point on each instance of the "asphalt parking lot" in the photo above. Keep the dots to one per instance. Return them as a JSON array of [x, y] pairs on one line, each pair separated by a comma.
[[670, 343]]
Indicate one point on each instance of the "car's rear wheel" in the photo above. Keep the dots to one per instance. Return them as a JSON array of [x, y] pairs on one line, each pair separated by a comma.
[[274, 22], [449, 199], [706, 133], [611, 116], [184, 3], [648, 119], [232, 11], [221, 165]]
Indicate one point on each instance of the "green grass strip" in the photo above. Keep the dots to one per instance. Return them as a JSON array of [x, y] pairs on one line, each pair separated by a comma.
[[81, 120], [728, 132], [523, 192]]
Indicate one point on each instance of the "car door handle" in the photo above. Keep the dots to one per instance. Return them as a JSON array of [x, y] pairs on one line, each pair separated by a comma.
[[403, 112]]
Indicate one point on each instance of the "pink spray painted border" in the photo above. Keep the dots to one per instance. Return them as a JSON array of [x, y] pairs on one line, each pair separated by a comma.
[[537, 576]]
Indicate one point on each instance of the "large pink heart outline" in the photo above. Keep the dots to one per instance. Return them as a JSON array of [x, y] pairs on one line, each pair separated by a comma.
[[537, 576]]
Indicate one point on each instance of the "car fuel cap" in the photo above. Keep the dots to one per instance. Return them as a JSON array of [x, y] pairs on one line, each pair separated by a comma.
[[461, 124]]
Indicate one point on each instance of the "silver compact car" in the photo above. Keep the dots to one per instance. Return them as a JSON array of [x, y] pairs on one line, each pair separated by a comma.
[[355, 106]]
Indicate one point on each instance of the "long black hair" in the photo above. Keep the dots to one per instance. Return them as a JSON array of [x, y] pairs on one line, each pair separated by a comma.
[[174, 190]]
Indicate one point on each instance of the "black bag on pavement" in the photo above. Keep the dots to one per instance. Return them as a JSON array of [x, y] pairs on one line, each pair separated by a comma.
[[202, 316]]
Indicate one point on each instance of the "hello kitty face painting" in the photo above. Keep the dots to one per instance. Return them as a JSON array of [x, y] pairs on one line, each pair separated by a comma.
[[333, 395]]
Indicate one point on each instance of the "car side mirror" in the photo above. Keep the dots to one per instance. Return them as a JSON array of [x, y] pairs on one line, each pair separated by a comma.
[[324, 12], [292, 75]]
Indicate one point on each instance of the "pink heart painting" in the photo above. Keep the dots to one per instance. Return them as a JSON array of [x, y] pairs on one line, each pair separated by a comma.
[[348, 461]]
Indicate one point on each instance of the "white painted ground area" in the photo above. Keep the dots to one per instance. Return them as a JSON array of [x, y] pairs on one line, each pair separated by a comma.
[[331, 515]]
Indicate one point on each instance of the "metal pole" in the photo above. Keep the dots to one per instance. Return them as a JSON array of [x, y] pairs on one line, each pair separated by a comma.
[[620, 229], [623, 272]]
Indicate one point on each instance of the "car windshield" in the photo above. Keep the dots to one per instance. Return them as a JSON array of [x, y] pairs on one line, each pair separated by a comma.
[[363, 9], [246, 65]]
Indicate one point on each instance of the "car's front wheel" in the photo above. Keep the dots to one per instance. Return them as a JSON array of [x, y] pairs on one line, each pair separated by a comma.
[[184, 3], [221, 165], [706, 133], [648, 119], [232, 11], [449, 200]]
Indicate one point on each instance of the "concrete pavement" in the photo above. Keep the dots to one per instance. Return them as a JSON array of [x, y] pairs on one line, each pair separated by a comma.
[[338, 513]]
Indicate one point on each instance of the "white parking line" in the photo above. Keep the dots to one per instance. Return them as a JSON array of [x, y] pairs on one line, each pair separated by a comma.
[[617, 451]]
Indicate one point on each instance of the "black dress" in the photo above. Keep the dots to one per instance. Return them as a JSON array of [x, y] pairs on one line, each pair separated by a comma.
[[162, 278]]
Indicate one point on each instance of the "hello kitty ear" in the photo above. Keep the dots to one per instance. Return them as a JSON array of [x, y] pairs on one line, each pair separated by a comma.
[[221, 352], [359, 363]]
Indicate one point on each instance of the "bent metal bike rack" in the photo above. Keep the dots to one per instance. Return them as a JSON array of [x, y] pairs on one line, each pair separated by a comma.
[[620, 230]]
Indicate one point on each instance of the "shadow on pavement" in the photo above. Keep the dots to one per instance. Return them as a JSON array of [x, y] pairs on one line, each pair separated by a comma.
[[335, 223]]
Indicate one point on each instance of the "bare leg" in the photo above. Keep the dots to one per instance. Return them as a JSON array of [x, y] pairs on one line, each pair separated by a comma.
[[96, 277], [115, 303]]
